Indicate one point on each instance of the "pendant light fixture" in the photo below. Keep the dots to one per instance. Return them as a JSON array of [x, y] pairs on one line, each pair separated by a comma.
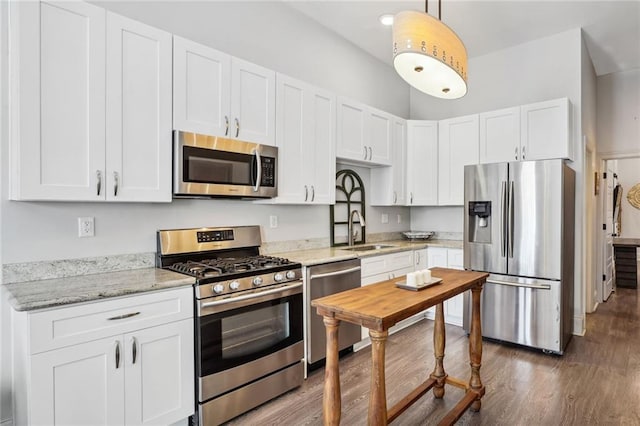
[[428, 54]]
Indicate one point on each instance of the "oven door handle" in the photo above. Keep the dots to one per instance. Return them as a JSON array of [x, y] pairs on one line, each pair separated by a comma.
[[247, 297], [258, 170]]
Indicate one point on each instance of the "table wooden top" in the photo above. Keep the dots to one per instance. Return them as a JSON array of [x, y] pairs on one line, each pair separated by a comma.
[[382, 305]]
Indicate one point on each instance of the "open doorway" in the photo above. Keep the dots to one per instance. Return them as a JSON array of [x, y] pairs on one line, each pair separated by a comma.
[[620, 218]]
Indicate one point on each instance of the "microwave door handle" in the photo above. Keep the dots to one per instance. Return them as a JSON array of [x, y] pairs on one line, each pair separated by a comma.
[[259, 170]]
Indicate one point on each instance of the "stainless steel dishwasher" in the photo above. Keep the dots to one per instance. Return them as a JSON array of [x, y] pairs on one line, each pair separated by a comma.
[[323, 280]]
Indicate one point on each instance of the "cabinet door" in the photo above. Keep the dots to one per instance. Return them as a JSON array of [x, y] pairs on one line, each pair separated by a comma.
[[319, 150], [420, 259], [437, 257], [159, 374], [500, 135], [457, 147], [79, 385], [58, 84], [351, 135], [253, 102], [290, 100], [388, 184], [455, 259], [545, 130], [380, 129], [138, 111], [422, 163], [201, 88]]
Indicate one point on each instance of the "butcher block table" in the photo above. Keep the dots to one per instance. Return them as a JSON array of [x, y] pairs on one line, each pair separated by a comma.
[[380, 306]]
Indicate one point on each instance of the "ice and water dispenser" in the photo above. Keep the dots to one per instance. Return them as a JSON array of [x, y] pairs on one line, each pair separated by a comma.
[[479, 222]]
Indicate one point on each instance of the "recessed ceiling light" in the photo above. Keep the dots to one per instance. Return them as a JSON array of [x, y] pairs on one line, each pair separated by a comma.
[[386, 19]]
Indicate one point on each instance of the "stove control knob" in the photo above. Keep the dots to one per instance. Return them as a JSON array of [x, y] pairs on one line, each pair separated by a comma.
[[218, 288], [234, 285], [279, 276], [257, 281], [291, 275]]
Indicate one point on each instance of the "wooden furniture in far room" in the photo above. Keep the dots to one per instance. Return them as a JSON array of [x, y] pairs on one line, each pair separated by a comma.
[[378, 307], [626, 261]]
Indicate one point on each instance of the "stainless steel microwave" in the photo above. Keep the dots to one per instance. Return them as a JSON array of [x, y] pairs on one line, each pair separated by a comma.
[[211, 166]]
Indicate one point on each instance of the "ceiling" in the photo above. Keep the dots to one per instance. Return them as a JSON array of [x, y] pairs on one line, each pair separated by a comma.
[[611, 27]]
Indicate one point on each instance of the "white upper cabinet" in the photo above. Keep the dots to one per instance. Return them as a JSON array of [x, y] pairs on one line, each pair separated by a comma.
[[92, 95], [537, 131], [500, 135], [217, 94], [305, 130], [364, 134], [388, 184], [545, 130], [138, 111], [422, 163], [201, 88], [457, 147]]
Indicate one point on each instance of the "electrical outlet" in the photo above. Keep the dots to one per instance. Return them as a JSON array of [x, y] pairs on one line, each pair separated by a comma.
[[384, 218], [273, 221], [86, 227], [399, 218]]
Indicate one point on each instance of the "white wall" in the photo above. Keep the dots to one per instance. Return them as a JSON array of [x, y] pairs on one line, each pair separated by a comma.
[[618, 112], [5, 312], [628, 171], [268, 33]]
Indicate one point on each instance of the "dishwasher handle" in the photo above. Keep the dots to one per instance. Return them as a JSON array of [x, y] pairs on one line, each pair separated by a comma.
[[335, 273]]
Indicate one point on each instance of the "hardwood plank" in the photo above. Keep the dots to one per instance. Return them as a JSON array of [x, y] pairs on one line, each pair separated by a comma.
[[596, 381]]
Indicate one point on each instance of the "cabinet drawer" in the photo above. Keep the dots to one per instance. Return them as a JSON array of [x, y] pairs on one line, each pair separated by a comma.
[[386, 263], [56, 328]]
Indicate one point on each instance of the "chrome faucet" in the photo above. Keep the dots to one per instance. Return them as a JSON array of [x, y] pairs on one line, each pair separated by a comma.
[[350, 225]]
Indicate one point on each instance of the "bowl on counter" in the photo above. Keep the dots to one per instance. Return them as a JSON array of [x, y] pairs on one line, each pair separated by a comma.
[[418, 235]]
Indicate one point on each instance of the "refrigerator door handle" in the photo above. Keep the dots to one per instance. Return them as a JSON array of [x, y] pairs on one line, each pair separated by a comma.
[[503, 219], [510, 224], [533, 286]]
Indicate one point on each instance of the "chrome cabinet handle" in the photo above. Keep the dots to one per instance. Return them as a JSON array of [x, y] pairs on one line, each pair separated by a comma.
[[523, 152], [306, 193], [411, 198], [418, 260], [99, 183], [259, 171], [365, 152], [226, 125], [516, 153], [124, 316], [134, 349], [237, 127], [313, 193], [395, 197], [370, 153], [115, 184], [117, 354]]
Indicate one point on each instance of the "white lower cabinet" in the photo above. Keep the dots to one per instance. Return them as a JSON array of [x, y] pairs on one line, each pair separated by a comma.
[[142, 375], [447, 258]]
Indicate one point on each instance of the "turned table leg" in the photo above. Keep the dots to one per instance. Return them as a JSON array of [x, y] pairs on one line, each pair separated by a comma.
[[331, 404], [378, 394], [475, 349], [439, 340]]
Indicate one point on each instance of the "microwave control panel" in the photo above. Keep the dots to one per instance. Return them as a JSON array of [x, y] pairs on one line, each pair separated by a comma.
[[268, 171]]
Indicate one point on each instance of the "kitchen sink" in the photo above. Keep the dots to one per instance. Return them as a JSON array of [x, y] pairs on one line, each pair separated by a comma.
[[368, 247]]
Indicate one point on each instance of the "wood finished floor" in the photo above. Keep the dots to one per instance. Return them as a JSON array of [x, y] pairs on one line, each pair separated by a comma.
[[596, 381]]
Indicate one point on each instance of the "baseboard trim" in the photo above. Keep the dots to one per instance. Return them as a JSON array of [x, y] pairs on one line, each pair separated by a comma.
[[579, 326]]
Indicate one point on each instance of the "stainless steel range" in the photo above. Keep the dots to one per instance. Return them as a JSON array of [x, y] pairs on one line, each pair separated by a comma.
[[248, 322]]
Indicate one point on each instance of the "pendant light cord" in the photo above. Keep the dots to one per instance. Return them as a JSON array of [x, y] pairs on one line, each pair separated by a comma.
[[426, 8]]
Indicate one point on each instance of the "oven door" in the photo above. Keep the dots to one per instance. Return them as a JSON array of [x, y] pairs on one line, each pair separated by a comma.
[[246, 337], [213, 166]]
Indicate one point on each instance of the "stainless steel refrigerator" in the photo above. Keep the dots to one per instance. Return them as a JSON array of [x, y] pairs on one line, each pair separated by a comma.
[[519, 227]]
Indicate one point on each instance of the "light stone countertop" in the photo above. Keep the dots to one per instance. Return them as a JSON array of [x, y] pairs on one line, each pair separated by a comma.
[[336, 254], [27, 296]]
